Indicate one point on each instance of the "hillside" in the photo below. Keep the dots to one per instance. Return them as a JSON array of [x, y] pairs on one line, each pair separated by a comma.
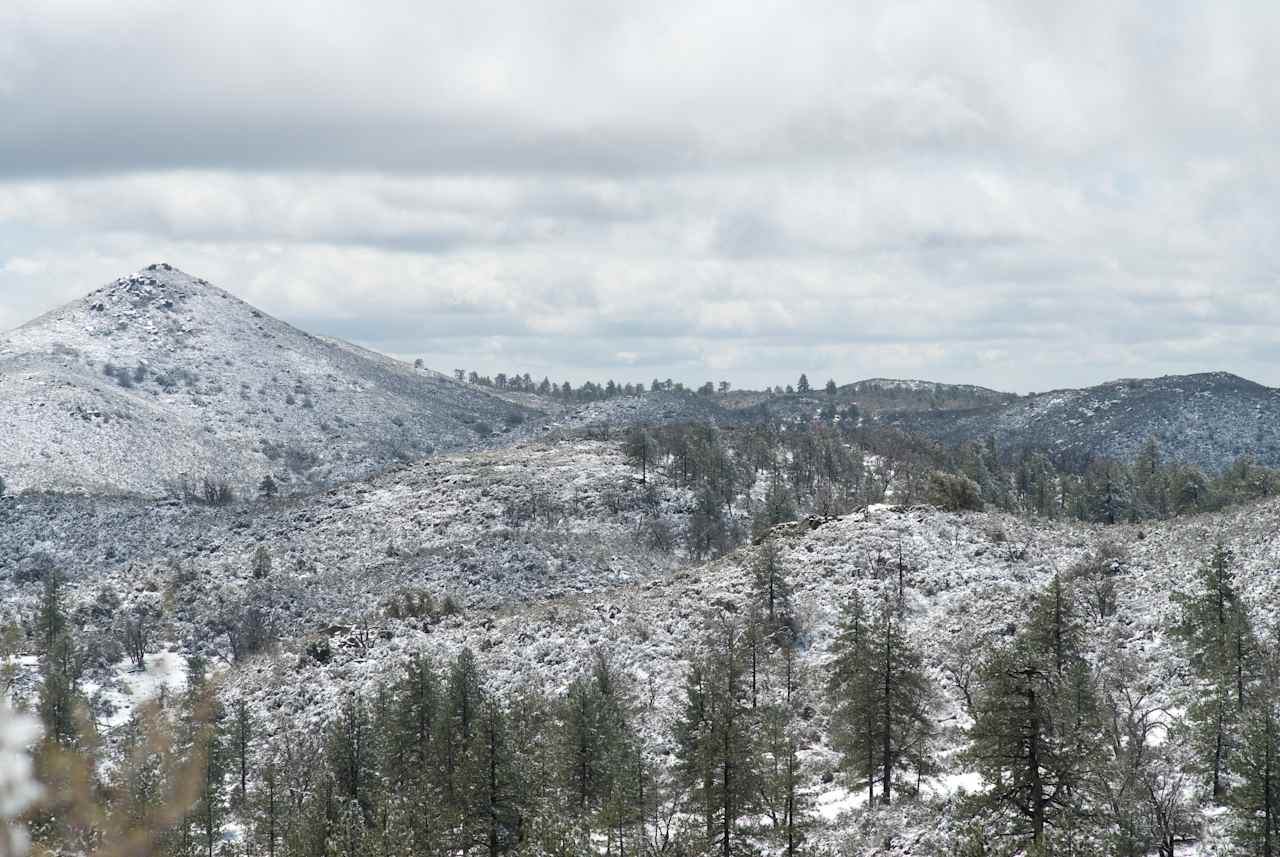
[[532, 521], [1207, 419], [970, 578], [161, 376], [872, 398]]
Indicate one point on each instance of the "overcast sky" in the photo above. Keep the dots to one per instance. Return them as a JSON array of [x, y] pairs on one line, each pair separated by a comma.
[[1023, 195]]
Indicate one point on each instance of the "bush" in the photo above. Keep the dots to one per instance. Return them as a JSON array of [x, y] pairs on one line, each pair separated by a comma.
[[319, 650], [954, 493], [216, 492], [34, 569], [261, 565], [210, 491]]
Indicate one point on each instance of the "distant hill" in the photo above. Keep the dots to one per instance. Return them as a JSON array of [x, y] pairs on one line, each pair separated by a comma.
[[161, 376], [1208, 419], [872, 397]]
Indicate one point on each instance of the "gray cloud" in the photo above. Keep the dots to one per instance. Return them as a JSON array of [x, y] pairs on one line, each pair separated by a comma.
[[1023, 195]]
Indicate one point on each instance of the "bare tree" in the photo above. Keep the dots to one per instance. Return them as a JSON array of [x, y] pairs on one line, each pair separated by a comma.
[[136, 631]]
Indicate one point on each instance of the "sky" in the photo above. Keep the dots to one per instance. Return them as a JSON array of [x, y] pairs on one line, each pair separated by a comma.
[[1024, 195]]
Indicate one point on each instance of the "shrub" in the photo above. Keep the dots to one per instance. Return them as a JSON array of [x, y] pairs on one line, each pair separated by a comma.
[[319, 650], [34, 569], [216, 492], [210, 491], [268, 487], [954, 493], [261, 565]]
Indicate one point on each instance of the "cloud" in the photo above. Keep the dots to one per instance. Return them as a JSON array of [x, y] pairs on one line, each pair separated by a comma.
[[1023, 195]]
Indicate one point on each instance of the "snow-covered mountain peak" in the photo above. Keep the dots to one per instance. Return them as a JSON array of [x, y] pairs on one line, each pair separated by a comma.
[[160, 376]]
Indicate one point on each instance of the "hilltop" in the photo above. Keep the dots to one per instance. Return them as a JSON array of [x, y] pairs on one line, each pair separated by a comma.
[[1207, 419], [160, 377]]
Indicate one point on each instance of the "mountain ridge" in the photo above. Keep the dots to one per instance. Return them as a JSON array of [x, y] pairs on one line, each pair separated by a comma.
[[1206, 418], [159, 377]]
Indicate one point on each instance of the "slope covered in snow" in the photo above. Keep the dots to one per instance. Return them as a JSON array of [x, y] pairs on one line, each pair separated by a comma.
[[1208, 419], [160, 376]]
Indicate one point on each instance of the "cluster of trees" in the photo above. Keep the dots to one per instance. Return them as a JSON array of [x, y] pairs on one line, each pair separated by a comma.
[[831, 467], [592, 391], [807, 469], [1081, 757], [1103, 490]]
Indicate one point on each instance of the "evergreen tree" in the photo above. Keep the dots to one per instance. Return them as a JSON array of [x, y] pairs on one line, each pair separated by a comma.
[[641, 451], [882, 696], [1216, 630], [352, 748], [1035, 721], [464, 770], [851, 690], [779, 507], [240, 740], [207, 743], [417, 773], [715, 736], [772, 589], [1257, 795]]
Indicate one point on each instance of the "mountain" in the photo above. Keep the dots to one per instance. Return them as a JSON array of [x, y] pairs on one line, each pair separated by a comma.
[[161, 377], [1208, 419]]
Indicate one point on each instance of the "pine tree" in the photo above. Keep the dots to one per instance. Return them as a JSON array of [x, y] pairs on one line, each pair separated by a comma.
[[783, 786], [851, 690], [1035, 720], [883, 696], [267, 804], [779, 507], [241, 737], [463, 774], [1214, 626], [772, 589], [715, 736], [419, 775], [208, 745], [1257, 795], [351, 756], [641, 451], [498, 815]]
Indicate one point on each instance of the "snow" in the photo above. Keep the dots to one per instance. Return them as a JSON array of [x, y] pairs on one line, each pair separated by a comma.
[[203, 384], [163, 672]]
